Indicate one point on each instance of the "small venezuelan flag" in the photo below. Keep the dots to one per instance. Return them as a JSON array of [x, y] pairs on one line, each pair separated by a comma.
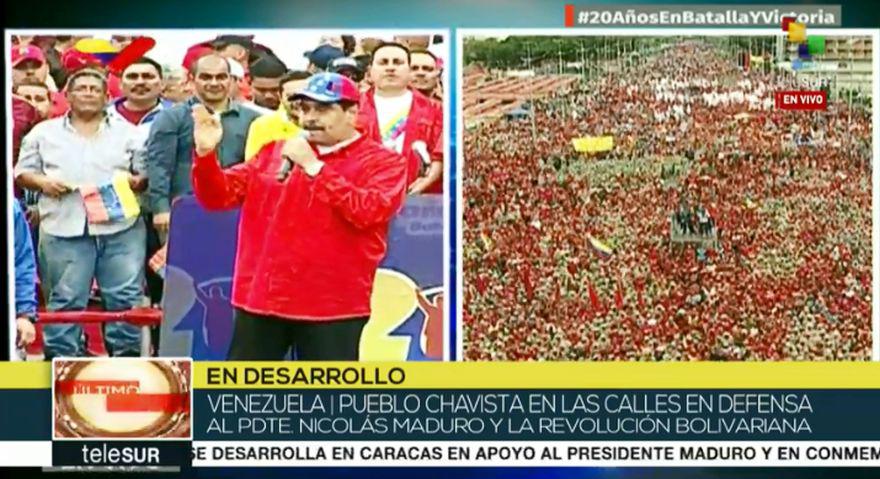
[[110, 202], [99, 48], [392, 130], [601, 249], [487, 242], [159, 260]]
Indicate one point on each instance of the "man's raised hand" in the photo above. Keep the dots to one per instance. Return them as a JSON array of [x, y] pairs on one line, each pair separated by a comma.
[[207, 130]]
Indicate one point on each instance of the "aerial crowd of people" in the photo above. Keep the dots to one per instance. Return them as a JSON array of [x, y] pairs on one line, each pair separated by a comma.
[[573, 256]]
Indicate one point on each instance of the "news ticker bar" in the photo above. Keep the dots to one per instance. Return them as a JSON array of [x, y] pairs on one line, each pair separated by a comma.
[[475, 413], [527, 454], [475, 454], [500, 375]]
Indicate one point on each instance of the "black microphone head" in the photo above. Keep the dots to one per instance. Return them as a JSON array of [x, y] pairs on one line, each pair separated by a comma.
[[284, 169]]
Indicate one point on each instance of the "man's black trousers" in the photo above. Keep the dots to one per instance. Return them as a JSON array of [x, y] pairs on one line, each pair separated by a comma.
[[268, 338]]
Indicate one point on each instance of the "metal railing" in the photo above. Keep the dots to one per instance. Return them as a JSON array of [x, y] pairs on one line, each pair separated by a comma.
[[144, 317]]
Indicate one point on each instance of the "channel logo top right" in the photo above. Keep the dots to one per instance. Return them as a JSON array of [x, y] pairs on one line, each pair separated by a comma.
[[808, 46]]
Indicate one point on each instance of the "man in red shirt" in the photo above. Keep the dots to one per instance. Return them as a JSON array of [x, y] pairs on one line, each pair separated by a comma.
[[402, 119], [37, 94], [313, 227], [29, 65], [426, 75], [24, 117]]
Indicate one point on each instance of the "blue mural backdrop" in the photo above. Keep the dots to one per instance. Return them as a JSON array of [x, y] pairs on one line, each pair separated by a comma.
[[407, 320]]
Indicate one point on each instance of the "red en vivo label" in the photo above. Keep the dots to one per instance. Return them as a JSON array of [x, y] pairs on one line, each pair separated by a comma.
[[801, 100]]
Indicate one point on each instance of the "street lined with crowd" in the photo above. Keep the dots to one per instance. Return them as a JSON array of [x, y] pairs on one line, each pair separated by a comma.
[[738, 231]]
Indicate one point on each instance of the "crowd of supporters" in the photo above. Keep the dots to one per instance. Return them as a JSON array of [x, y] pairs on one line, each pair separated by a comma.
[[80, 125], [718, 227]]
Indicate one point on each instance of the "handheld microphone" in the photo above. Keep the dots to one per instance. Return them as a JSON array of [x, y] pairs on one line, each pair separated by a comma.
[[422, 151], [287, 164], [284, 169]]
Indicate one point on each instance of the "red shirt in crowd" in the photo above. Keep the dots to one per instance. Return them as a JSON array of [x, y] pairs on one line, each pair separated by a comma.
[[59, 105], [24, 117], [132, 116], [114, 86], [424, 123], [308, 248]]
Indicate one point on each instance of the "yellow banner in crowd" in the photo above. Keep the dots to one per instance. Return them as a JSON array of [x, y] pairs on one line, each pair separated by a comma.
[[593, 144]]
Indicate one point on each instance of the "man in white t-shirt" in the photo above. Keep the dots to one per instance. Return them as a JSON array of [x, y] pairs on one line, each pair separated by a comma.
[[392, 112], [403, 119]]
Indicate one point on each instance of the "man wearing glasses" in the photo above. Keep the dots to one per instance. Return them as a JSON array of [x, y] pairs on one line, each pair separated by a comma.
[[170, 144], [59, 156]]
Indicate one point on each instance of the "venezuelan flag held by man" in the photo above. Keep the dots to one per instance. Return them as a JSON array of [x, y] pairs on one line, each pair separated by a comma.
[[110, 202]]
